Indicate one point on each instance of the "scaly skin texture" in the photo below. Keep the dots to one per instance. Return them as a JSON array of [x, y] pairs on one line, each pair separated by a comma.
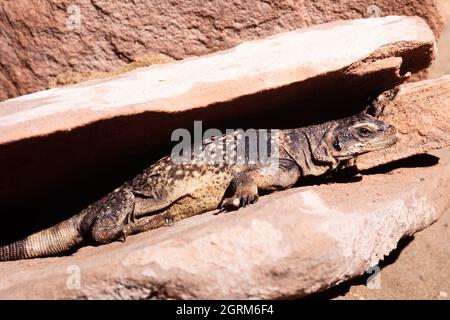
[[169, 191]]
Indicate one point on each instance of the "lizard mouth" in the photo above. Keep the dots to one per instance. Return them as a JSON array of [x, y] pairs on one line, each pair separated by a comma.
[[387, 143], [382, 144], [376, 145]]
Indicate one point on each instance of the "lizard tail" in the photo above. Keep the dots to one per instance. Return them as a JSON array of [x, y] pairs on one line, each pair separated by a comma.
[[59, 238]]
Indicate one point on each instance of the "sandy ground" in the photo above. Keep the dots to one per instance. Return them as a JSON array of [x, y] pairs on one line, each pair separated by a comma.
[[441, 65]]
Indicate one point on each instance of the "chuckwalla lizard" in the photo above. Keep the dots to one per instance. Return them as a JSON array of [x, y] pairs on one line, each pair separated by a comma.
[[168, 191]]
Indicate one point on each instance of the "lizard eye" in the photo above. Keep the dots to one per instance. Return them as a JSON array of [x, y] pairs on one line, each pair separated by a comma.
[[336, 145], [363, 132]]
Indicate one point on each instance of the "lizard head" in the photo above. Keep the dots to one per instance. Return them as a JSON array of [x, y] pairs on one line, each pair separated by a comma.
[[359, 134]]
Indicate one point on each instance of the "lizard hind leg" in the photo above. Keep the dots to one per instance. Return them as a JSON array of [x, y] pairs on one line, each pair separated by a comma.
[[147, 223], [110, 218]]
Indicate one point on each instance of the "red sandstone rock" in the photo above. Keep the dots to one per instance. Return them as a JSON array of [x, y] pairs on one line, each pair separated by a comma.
[[41, 39], [421, 113], [296, 57]]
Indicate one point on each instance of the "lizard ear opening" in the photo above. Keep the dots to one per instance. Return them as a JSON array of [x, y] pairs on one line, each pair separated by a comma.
[[336, 144]]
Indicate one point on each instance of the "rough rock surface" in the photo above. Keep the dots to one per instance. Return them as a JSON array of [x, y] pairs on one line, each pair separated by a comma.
[[418, 269], [287, 245], [421, 113], [42, 39]]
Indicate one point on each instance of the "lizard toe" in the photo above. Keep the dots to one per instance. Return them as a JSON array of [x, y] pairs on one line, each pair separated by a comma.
[[230, 204], [124, 233], [246, 199], [238, 201], [169, 221]]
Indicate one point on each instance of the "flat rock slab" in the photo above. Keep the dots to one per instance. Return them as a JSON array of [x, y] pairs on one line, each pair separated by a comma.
[[249, 68], [421, 113], [289, 244]]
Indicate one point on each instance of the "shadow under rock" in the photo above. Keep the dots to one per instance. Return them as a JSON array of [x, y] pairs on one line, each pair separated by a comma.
[[416, 161], [351, 174], [47, 179]]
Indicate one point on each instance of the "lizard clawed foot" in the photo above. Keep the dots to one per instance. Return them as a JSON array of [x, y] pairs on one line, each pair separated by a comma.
[[124, 233], [238, 201], [170, 220]]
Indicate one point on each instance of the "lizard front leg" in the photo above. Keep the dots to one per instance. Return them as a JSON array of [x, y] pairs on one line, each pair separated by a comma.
[[244, 190], [246, 185]]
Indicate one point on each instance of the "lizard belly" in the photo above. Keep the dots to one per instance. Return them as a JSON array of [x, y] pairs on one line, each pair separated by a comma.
[[202, 195]]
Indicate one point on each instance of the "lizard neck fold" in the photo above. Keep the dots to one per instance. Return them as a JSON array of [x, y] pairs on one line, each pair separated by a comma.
[[309, 148]]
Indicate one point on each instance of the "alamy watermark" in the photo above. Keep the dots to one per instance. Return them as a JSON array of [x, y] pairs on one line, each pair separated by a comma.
[[374, 280], [235, 147], [73, 17], [374, 11], [73, 277]]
